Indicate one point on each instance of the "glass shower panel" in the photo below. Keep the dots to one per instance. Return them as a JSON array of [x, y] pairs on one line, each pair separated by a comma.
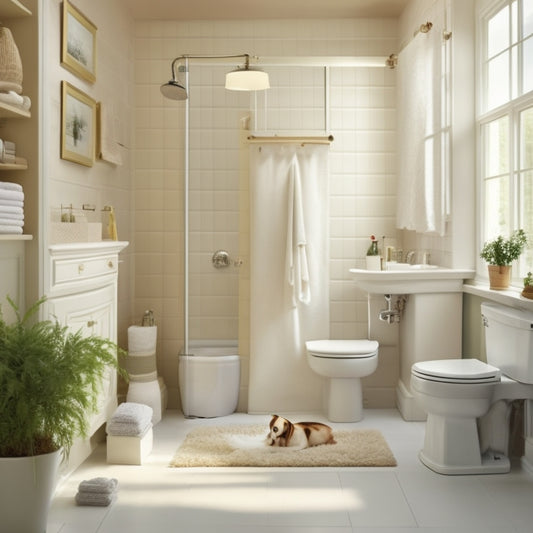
[[215, 127]]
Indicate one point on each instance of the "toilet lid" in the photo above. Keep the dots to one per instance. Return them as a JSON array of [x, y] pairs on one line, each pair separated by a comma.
[[342, 348], [457, 371]]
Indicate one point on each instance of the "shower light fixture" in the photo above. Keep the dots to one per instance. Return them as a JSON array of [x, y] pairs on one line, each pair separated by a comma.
[[247, 79], [241, 79]]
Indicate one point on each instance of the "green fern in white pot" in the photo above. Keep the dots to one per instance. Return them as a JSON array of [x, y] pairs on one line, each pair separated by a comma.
[[50, 380]]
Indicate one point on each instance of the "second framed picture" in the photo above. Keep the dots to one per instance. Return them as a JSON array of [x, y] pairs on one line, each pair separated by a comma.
[[78, 125]]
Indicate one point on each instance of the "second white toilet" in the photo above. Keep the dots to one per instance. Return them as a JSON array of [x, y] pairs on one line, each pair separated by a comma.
[[467, 400], [344, 363]]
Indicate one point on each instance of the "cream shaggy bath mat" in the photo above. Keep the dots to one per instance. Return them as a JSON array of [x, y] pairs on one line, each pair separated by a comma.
[[244, 445]]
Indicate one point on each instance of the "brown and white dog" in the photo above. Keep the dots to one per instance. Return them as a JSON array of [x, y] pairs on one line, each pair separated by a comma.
[[284, 433]]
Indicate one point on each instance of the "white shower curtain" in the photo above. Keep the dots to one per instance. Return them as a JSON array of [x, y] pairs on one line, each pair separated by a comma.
[[288, 243], [422, 130]]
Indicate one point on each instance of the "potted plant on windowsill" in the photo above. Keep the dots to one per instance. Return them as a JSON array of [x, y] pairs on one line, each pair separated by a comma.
[[500, 254], [528, 286], [50, 380]]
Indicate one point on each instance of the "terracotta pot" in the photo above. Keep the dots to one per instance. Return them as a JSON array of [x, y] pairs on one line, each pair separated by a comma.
[[499, 277], [528, 292]]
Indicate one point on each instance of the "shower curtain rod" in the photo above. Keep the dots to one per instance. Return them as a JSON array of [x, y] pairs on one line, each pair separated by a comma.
[[392, 60], [289, 139]]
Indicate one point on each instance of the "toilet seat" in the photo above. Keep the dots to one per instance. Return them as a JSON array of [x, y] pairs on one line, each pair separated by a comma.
[[338, 349], [464, 371]]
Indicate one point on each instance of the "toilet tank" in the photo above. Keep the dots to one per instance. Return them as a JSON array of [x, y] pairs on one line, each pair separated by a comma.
[[509, 340]]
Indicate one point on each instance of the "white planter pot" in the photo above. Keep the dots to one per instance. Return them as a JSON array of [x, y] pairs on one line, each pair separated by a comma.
[[26, 491]]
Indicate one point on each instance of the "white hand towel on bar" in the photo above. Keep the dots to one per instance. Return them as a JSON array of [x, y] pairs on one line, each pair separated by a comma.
[[296, 255]]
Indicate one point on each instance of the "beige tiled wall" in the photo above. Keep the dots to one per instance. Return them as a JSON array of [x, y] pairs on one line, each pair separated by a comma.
[[362, 177], [102, 184]]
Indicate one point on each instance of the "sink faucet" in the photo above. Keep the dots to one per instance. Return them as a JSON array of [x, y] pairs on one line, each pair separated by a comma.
[[409, 258]]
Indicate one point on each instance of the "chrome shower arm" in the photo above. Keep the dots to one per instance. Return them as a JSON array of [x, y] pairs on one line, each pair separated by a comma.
[[246, 58]]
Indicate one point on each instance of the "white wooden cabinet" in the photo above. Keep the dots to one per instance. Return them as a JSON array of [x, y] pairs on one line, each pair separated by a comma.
[[82, 295]]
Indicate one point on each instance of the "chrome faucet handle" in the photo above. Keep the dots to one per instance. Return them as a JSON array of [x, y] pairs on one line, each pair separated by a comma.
[[409, 256]]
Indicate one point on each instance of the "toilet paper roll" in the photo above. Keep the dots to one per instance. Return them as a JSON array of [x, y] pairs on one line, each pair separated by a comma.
[[142, 340]]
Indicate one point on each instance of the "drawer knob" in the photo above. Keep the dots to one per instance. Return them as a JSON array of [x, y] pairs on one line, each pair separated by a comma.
[[91, 323], [110, 264], [81, 268]]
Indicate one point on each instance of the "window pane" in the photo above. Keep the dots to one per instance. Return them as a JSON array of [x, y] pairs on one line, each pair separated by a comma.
[[526, 139], [514, 22], [526, 218], [527, 65], [498, 32], [527, 18], [498, 81], [514, 72], [496, 134], [496, 207]]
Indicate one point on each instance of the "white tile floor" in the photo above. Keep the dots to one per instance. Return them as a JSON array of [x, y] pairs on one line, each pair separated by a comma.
[[156, 499]]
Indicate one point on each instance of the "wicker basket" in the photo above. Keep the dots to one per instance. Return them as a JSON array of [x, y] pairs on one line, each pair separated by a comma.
[[10, 63]]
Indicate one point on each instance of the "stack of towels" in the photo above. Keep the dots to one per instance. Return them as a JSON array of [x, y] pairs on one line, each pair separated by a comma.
[[99, 491], [8, 152], [11, 208], [130, 420]]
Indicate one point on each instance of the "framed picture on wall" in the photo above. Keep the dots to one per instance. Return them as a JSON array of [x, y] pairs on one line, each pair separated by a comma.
[[78, 125], [78, 43]]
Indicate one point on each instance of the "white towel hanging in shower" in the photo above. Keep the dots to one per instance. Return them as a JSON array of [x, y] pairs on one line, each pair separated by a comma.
[[296, 255]]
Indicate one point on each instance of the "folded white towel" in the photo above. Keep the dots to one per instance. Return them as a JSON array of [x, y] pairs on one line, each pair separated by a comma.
[[117, 429], [6, 194], [11, 216], [102, 485], [17, 100], [11, 222], [14, 230], [11, 97], [95, 499], [11, 210], [131, 419], [10, 186], [11, 203]]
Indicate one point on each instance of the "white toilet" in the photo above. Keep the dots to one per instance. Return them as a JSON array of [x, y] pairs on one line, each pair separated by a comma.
[[467, 400], [344, 362]]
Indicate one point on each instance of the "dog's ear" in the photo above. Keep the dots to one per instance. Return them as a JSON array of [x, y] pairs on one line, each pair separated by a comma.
[[273, 420], [288, 429]]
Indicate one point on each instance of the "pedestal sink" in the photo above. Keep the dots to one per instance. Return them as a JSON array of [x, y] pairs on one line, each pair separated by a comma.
[[431, 322], [404, 278]]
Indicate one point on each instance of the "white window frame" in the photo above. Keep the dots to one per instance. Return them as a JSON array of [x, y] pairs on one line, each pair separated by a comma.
[[512, 109]]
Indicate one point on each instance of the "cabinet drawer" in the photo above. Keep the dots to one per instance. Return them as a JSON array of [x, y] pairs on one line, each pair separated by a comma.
[[80, 269]]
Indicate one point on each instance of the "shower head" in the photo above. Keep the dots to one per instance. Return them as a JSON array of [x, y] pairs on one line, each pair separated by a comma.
[[174, 90], [240, 79]]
